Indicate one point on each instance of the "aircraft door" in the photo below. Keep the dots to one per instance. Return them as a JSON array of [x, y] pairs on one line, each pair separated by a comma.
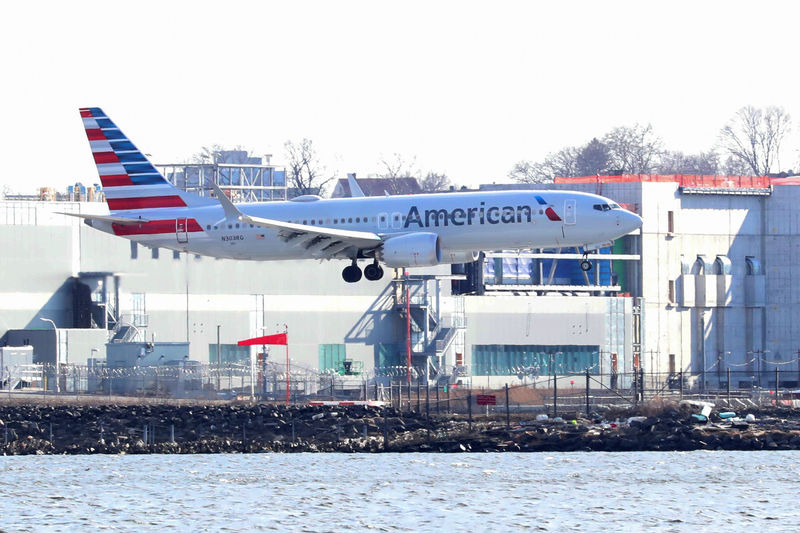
[[569, 212], [181, 230]]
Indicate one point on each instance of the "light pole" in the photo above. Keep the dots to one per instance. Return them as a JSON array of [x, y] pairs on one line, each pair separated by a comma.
[[58, 353]]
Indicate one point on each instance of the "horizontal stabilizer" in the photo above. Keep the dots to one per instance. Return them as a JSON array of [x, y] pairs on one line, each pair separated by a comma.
[[105, 218]]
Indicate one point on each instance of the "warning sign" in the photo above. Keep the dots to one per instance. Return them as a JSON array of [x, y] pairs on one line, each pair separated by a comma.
[[487, 399]]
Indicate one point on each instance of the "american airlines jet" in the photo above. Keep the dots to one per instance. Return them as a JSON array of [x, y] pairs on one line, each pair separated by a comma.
[[397, 231]]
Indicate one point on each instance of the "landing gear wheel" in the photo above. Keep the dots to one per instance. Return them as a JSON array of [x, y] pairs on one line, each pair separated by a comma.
[[586, 265], [373, 272], [351, 274]]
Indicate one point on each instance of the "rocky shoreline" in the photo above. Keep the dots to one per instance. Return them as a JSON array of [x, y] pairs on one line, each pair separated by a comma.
[[243, 428]]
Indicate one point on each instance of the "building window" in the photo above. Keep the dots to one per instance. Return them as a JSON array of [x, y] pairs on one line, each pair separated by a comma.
[[139, 309], [154, 253], [672, 363], [671, 295], [176, 254], [134, 250], [670, 221]]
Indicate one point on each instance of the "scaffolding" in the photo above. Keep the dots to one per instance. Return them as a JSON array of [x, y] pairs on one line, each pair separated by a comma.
[[243, 182], [430, 337]]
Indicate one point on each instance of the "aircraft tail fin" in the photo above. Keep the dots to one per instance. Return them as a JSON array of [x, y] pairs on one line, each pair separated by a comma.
[[130, 181]]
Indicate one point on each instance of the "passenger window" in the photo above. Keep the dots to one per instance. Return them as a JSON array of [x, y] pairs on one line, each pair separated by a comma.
[[350, 220], [358, 219], [208, 227], [312, 222]]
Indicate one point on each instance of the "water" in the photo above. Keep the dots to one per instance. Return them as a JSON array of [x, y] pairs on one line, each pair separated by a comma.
[[705, 491]]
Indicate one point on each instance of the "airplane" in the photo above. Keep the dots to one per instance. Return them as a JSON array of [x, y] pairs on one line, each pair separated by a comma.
[[396, 231]]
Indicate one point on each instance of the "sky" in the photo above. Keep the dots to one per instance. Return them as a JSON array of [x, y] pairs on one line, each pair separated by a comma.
[[461, 88]]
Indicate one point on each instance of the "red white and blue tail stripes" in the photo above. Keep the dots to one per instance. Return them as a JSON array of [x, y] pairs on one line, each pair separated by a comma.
[[130, 181]]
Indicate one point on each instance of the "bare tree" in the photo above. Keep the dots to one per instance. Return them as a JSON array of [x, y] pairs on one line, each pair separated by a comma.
[[754, 137], [435, 182], [633, 150], [703, 163], [396, 172], [217, 153], [561, 163], [736, 167], [305, 173], [594, 158]]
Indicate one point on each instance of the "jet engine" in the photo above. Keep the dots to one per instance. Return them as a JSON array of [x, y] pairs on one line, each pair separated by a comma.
[[412, 250], [459, 256]]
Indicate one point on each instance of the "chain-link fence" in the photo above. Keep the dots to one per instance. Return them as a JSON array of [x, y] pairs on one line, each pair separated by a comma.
[[404, 389]]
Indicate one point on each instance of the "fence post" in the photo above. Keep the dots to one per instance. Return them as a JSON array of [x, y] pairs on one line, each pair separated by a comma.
[[641, 386], [385, 433], [172, 433], [469, 407], [555, 392], [376, 391], [508, 411], [587, 393], [777, 383], [729, 388], [448, 398], [419, 409], [437, 397], [427, 400], [680, 382]]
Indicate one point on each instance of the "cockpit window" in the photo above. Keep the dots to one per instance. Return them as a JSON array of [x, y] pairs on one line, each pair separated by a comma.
[[606, 207]]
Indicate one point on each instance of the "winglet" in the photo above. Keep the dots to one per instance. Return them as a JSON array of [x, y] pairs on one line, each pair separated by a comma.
[[355, 190], [230, 210]]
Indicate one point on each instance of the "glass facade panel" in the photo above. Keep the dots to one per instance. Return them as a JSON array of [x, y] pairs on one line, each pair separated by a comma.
[[512, 359], [331, 357], [228, 353]]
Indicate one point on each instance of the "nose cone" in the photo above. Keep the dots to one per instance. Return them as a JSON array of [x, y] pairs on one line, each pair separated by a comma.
[[630, 221]]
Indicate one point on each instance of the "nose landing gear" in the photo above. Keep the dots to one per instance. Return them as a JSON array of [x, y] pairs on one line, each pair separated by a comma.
[[586, 265]]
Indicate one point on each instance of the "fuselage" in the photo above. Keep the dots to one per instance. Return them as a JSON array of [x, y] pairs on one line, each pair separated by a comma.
[[464, 222]]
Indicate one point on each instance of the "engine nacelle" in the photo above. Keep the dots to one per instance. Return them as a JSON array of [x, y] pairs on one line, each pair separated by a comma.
[[412, 250], [459, 256]]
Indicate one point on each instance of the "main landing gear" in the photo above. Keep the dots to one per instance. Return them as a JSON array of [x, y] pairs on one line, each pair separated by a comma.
[[373, 271], [352, 274]]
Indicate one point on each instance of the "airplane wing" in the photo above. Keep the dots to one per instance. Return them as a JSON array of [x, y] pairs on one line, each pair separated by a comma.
[[320, 242], [106, 218]]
